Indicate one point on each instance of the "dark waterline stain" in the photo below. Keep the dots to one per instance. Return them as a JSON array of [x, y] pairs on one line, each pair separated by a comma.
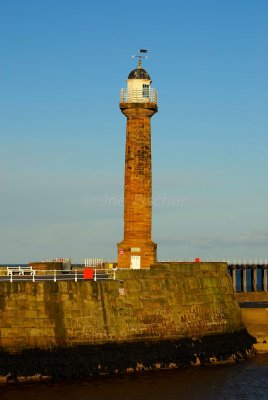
[[91, 360], [246, 380]]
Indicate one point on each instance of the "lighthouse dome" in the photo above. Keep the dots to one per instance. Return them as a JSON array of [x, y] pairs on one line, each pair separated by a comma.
[[139, 73]]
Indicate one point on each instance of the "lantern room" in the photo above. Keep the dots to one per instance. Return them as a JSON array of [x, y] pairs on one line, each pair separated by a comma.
[[138, 87]]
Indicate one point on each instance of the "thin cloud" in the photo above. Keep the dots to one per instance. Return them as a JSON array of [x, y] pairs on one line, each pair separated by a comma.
[[253, 239]]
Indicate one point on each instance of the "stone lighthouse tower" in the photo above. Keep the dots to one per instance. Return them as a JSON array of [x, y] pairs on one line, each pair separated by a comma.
[[138, 103]]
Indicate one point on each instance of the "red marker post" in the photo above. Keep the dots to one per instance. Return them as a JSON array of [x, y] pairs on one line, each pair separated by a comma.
[[88, 273]]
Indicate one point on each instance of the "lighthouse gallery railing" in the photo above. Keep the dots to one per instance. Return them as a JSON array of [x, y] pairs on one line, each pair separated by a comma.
[[138, 96]]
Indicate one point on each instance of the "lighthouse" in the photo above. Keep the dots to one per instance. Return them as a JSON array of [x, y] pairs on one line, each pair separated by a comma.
[[138, 102]]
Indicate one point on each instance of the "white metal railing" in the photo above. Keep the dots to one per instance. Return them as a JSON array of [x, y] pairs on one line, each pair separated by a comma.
[[93, 262], [138, 96], [16, 274], [239, 261], [20, 270]]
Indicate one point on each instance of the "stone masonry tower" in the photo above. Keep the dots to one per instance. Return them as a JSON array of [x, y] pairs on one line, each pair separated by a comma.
[[138, 103]]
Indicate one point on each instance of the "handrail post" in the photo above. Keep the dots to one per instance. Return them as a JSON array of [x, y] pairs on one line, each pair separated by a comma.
[[95, 275], [55, 276], [11, 275], [75, 275]]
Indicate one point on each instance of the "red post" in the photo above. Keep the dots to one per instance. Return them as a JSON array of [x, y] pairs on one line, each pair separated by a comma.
[[88, 273]]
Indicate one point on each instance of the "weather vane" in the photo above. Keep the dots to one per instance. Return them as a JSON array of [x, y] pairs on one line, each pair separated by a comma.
[[140, 56]]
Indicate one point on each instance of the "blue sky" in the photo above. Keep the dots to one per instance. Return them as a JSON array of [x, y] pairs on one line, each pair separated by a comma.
[[62, 136]]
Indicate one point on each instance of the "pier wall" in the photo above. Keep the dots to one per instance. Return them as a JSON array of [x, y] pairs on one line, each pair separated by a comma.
[[168, 301], [164, 306]]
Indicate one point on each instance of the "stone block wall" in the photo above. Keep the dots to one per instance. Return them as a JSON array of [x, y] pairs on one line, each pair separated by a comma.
[[169, 301]]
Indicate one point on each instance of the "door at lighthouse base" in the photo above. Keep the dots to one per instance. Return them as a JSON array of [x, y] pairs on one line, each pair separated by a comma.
[[135, 262]]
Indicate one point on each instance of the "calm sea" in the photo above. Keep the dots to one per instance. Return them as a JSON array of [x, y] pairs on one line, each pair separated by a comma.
[[246, 380]]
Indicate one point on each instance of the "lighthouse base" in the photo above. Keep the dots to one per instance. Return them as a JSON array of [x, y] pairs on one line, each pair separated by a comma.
[[136, 255]]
